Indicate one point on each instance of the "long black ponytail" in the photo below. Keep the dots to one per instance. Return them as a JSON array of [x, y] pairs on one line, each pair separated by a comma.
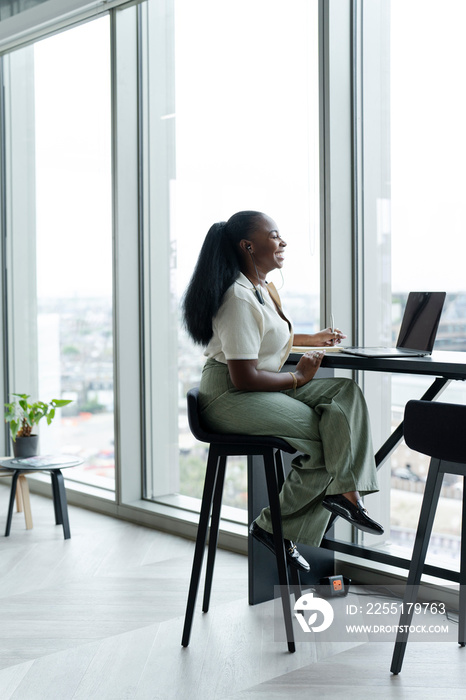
[[217, 267]]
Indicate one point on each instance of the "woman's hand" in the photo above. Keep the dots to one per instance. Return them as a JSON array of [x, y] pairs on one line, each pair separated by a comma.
[[330, 337], [326, 338], [308, 366]]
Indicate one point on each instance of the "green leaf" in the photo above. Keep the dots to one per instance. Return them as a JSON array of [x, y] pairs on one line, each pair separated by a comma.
[[22, 416], [14, 429]]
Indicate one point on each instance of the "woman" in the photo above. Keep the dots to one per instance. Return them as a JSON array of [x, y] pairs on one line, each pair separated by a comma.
[[231, 309]]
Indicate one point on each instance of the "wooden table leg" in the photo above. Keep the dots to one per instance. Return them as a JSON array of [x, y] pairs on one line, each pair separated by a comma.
[[19, 500], [22, 490]]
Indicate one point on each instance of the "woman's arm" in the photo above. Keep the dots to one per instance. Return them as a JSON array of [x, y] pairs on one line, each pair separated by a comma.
[[324, 338], [246, 377]]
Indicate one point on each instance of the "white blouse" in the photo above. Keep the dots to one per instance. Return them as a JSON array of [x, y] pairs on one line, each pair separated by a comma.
[[245, 329]]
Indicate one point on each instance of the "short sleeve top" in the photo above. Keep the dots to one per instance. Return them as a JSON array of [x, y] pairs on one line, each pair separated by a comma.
[[245, 329]]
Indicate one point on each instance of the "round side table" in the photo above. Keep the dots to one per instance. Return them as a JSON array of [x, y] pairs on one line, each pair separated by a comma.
[[48, 463]]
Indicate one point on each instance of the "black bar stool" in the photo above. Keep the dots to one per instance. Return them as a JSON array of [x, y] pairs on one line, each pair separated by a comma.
[[222, 446], [437, 430]]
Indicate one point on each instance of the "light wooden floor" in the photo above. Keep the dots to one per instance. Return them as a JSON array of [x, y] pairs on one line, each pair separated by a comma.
[[100, 616]]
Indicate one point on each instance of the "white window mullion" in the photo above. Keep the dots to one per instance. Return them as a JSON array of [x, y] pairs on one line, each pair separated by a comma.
[[126, 258], [336, 164], [21, 221]]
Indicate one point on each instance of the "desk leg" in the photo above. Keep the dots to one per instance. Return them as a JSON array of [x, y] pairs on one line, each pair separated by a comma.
[[60, 503], [14, 483], [262, 564], [390, 445]]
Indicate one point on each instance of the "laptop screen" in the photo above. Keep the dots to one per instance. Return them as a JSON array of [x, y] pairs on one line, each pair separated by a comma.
[[420, 321]]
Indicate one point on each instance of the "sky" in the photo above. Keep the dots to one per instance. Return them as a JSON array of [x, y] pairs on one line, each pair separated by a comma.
[[428, 144], [73, 162], [247, 137]]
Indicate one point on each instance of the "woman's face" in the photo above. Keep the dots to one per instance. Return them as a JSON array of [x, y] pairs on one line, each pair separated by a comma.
[[267, 246]]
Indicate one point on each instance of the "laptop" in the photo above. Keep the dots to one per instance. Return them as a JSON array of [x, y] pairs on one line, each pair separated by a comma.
[[418, 328]]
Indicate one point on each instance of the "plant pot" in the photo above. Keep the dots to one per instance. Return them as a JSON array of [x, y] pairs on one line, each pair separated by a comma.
[[26, 446]]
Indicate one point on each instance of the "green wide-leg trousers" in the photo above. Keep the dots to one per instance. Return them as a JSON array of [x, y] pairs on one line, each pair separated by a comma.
[[326, 421]]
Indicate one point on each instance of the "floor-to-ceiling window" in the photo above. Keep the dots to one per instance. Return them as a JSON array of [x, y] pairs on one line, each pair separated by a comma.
[[233, 125], [59, 239], [228, 120], [428, 148], [413, 117]]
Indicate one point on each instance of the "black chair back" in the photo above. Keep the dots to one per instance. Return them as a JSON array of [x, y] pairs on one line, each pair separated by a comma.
[[193, 416], [436, 429]]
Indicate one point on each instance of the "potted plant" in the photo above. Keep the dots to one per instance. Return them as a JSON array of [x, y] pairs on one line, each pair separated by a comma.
[[23, 416]]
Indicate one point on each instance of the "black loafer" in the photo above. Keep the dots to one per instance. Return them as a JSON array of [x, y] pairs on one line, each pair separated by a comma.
[[356, 515], [293, 557]]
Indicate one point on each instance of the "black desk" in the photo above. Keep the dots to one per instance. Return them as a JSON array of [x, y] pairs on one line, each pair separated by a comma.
[[444, 367], [449, 365]]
